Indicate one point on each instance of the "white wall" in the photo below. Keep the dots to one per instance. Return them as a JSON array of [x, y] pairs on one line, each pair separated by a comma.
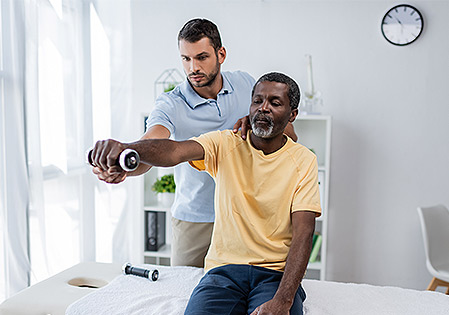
[[389, 104]]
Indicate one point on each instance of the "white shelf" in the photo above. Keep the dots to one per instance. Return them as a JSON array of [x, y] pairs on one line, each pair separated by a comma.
[[156, 208], [315, 265], [314, 132], [313, 117], [164, 251]]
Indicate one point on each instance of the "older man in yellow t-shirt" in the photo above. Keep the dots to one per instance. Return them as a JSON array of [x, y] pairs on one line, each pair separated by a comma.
[[255, 196], [266, 201]]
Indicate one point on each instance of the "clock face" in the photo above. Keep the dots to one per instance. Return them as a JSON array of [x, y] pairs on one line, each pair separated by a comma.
[[402, 25]]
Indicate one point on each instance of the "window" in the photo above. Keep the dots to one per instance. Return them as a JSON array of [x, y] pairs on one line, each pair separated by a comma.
[[69, 214]]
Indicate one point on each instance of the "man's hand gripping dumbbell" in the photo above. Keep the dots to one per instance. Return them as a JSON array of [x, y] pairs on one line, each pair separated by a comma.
[[112, 160]]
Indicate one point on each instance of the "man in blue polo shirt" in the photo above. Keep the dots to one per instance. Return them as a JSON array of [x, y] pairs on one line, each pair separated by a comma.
[[208, 100]]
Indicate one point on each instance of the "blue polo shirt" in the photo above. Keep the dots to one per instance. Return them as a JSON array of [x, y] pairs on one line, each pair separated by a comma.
[[186, 114]]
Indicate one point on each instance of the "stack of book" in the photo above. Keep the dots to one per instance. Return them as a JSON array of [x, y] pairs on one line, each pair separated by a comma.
[[316, 244]]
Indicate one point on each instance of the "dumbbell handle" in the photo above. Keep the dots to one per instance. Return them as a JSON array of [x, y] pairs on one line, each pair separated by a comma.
[[128, 269], [128, 160]]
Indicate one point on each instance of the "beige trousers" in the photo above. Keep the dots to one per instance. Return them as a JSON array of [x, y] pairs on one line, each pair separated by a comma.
[[190, 242]]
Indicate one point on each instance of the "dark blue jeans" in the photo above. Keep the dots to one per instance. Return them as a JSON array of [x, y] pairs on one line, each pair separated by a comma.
[[238, 289]]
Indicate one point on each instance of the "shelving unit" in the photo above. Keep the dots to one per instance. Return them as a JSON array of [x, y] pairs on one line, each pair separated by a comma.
[[151, 203], [314, 132], [166, 81]]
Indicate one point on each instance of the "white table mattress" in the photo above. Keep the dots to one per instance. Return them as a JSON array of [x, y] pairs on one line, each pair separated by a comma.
[[170, 294], [53, 295]]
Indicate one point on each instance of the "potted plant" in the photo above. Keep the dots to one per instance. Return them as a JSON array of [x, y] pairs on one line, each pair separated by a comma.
[[165, 188]]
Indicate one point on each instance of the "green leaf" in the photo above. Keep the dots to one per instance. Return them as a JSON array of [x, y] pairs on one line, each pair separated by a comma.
[[165, 183], [170, 87]]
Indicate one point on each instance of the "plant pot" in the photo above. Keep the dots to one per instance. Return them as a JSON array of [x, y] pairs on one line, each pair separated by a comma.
[[166, 199]]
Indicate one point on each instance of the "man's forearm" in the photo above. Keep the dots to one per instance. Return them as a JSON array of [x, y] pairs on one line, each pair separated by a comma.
[[165, 152], [154, 132], [296, 264], [156, 152]]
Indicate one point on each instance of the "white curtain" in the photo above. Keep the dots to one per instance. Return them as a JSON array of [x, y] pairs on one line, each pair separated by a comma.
[[14, 195], [113, 117], [83, 94], [61, 216], [67, 84]]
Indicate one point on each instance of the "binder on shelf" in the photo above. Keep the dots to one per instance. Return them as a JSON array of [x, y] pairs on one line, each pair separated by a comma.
[[315, 247], [154, 230]]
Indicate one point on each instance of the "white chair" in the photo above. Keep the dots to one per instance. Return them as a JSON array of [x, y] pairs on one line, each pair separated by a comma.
[[435, 229]]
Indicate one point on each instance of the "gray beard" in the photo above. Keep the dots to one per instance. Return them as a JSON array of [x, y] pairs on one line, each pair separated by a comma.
[[259, 131]]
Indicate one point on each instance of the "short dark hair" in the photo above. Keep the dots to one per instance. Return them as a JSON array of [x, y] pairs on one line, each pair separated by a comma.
[[196, 29], [294, 94]]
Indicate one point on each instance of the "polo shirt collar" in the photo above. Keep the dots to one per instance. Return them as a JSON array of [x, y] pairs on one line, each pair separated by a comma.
[[193, 99], [227, 87]]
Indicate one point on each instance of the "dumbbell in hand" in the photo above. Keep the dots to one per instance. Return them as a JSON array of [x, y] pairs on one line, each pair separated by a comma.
[[128, 160]]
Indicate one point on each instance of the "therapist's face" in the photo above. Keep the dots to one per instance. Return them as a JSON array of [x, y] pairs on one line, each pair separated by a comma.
[[200, 61]]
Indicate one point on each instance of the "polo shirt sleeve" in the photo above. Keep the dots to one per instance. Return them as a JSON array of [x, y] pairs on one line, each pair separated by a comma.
[[211, 144], [164, 114], [307, 193], [249, 79]]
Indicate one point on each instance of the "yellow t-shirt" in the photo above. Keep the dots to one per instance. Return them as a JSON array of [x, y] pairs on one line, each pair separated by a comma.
[[254, 197]]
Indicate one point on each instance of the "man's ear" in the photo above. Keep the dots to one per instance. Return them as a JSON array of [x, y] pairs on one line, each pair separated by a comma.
[[221, 53], [293, 115]]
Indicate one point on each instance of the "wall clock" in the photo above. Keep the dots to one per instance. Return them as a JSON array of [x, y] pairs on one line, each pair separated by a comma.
[[402, 25]]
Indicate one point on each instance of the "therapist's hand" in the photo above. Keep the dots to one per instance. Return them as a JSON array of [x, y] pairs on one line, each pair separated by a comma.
[[244, 124]]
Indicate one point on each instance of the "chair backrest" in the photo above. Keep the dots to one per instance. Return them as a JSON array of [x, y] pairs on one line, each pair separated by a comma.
[[435, 228]]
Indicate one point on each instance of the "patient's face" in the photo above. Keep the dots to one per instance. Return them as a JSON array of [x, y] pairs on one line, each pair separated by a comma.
[[200, 61], [270, 109]]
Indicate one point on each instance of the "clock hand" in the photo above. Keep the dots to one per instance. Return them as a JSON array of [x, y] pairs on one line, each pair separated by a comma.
[[400, 23]]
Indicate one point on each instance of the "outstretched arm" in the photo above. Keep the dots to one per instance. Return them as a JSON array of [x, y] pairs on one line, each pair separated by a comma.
[[303, 225], [165, 152], [154, 152]]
